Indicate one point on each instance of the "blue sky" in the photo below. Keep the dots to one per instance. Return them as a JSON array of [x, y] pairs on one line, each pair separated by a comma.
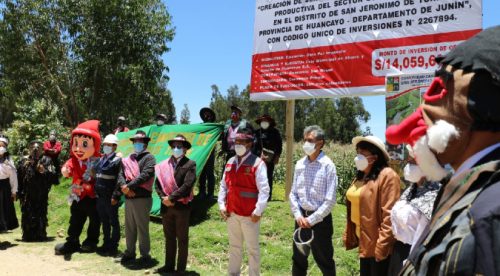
[[213, 45]]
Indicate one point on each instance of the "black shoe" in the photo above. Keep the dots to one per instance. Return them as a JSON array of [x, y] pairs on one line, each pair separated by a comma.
[[86, 248], [164, 270], [112, 252], [101, 249], [126, 259], [66, 248], [145, 259]]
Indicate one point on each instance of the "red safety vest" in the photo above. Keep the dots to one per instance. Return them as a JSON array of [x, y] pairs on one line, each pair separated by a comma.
[[242, 192]]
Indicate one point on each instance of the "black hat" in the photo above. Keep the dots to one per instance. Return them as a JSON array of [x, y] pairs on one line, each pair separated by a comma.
[[204, 118], [481, 55], [236, 108], [161, 116], [266, 117], [180, 138], [140, 135]]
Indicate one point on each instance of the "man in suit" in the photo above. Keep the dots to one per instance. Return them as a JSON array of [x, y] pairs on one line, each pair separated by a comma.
[[175, 178], [459, 124]]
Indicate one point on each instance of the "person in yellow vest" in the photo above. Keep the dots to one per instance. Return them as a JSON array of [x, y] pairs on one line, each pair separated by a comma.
[[370, 198], [243, 195]]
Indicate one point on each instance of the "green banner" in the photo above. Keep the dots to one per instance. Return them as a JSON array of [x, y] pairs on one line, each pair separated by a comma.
[[203, 138]]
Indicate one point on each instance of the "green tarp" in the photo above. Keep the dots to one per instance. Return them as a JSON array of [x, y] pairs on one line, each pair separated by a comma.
[[203, 138]]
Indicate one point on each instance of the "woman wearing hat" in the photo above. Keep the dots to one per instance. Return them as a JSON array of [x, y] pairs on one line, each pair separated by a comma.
[[8, 189], [370, 198], [175, 178]]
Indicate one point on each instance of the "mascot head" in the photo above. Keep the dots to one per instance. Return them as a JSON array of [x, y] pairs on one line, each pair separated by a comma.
[[461, 102], [86, 140]]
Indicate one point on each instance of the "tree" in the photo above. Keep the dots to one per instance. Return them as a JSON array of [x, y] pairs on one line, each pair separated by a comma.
[[185, 115], [340, 118], [91, 59]]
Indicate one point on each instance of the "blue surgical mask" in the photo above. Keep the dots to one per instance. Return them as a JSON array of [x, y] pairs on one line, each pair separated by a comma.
[[107, 149], [138, 147], [177, 152]]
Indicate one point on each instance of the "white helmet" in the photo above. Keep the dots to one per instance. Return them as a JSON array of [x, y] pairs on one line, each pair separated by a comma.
[[110, 139]]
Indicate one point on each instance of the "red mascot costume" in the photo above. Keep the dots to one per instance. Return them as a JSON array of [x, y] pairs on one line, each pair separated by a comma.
[[85, 146]]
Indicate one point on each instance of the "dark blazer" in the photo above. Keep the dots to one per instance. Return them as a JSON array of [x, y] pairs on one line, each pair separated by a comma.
[[185, 177]]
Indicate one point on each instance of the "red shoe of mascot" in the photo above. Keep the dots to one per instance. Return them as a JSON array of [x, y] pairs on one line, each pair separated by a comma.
[[85, 147]]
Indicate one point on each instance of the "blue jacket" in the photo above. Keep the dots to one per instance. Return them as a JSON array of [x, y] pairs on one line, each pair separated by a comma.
[[107, 170]]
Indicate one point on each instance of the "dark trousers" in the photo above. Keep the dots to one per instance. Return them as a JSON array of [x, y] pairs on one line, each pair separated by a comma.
[[8, 218], [176, 229], [321, 247], [270, 173], [370, 267], [108, 216], [399, 254], [207, 177], [80, 211]]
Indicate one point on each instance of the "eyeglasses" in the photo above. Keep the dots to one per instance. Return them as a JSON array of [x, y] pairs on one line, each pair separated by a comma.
[[176, 147]]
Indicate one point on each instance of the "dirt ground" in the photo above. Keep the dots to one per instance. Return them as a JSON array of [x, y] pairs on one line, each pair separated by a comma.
[[21, 258]]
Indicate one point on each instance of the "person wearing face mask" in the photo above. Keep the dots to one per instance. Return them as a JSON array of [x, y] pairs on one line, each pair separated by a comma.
[[243, 195], [268, 146], [135, 180], [36, 175], [175, 178], [161, 119], [207, 177], [52, 149], [311, 200], [458, 124], [370, 199], [8, 188], [412, 213], [230, 129], [122, 127], [108, 195]]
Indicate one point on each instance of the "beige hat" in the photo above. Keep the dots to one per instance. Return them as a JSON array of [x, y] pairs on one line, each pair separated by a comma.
[[374, 141]]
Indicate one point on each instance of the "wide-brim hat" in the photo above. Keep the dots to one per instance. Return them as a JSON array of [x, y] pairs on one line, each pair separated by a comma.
[[209, 110], [236, 108], [266, 117], [185, 143], [5, 140], [140, 135], [161, 116], [374, 141]]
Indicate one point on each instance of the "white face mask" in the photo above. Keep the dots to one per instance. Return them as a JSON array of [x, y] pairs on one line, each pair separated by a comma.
[[309, 148], [264, 125], [177, 152], [240, 150], [361, 162], [3, 150], [107, 149], [412, 173], [160, 122]]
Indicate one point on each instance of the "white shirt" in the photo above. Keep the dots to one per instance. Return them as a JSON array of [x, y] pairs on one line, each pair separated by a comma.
[[260, 180], [314, 188], [8, 170], [408, 222]]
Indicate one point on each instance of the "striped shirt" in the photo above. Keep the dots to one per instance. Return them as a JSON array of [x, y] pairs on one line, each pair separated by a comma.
[[314, 188]]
